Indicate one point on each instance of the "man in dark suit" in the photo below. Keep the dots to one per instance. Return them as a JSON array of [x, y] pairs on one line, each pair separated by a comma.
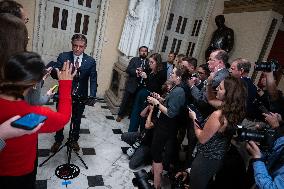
[[86, 70], [169, 65], [240, 68], [134, 81], [217, 66]]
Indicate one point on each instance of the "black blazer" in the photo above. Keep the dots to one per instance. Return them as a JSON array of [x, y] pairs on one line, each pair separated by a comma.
[[133, 81], [87, 71]]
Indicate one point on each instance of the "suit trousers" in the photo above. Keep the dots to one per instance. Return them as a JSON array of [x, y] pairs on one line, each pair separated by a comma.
[[127, 101], [77, 112], [138, 106]]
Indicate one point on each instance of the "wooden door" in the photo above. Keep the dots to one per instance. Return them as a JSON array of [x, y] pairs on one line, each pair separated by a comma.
[[65, 18]]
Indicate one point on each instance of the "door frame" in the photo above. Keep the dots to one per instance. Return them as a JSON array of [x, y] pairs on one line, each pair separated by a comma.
[[202, 33], [39, 28]]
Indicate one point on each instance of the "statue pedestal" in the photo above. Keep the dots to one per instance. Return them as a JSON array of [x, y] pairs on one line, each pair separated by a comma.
[[115, 92]]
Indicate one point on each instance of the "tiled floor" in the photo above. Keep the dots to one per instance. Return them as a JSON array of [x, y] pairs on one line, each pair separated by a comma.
[[100, 148]]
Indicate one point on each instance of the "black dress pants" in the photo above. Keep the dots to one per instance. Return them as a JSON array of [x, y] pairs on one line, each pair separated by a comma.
[[77, 112], [127, 102]]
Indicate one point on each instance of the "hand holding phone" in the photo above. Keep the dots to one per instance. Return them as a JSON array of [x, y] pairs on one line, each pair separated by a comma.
[[195, 115], [29, 121], [54, 88], [7, 131], [192, 114]]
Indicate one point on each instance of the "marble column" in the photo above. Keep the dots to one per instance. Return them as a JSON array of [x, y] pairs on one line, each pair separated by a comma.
[[116, 90]]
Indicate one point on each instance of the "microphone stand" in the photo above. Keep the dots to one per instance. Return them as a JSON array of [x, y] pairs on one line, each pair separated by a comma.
[[69, 171]]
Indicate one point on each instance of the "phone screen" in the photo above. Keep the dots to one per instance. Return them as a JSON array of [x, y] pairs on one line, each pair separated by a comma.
[[199, 119], [54, 88], [29, 121]]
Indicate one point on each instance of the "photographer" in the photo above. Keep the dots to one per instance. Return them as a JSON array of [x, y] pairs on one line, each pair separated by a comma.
[[141, 153], [269, 167]]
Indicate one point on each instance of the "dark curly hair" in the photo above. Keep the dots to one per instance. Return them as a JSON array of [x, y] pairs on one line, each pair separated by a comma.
[[234, 105]]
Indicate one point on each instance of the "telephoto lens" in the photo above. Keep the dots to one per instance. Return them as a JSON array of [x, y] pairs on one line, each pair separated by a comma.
[[264, 136], [269, 66], [136, 144], [141, 180], [130, 152]]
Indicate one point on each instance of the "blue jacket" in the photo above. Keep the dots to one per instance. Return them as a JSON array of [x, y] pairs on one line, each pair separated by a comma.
[[87, 71], [275, 180]]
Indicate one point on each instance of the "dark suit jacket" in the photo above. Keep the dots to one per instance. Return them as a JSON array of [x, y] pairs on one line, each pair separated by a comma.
[[133, 81], [87, 71], [165, 68], [200, 96], [252, 94]]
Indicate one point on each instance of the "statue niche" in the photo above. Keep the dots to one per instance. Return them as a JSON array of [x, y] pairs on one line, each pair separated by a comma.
[[222, 38], [139, 26]]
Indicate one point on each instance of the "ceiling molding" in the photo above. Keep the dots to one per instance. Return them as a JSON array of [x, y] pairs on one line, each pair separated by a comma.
[[238, 6]]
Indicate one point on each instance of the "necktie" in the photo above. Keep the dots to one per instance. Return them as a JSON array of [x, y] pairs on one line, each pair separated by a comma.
[[143, 64], [77, 63], [76, 78]]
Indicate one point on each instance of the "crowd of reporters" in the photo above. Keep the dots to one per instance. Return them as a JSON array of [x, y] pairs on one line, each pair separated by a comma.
[[232, 126]]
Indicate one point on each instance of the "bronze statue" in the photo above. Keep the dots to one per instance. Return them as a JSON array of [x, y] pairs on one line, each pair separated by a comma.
[[223, 37]]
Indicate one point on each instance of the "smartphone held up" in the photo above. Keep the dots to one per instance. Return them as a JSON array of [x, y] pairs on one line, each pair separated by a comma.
[[29, 121]]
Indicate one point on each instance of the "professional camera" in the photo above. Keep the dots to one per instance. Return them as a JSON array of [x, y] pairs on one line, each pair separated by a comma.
[[141, 180], [264, 136], [269, 66], [136, 144]]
